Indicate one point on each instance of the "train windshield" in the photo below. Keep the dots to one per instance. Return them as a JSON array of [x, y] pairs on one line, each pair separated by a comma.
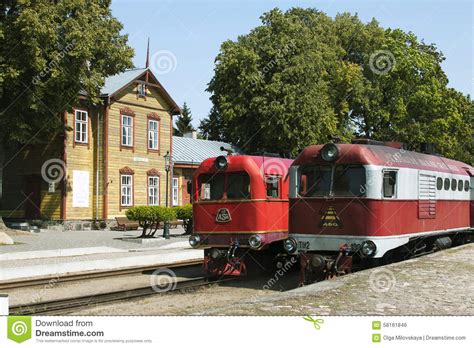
[[339, 181], [233, 185]]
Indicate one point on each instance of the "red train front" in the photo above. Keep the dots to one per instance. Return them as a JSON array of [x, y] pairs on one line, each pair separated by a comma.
[[240, 207], [374, 204]]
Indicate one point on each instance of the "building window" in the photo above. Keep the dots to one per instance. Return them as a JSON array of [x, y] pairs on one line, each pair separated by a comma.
[[153, 190], [126, 189], [141, 90], [127, 130], [175, 191], [153, 134], [81, 126]]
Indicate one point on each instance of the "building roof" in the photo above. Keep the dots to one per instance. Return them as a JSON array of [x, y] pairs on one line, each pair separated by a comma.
[[115, 83], [192, 151]]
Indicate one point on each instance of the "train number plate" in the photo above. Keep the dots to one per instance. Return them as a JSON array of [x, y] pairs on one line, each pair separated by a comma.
[[303, 245]]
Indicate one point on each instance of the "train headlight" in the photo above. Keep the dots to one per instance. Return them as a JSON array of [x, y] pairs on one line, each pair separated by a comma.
[[221, 162], [289, 245], [194, 240], [329, 152], [368, 248], [255, 241]]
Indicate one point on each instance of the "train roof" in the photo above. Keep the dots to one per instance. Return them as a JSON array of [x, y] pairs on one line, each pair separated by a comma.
[[270, 165], [385, 156]]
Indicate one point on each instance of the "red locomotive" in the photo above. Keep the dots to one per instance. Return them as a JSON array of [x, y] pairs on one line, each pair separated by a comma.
[[371, 202], [240, 207]]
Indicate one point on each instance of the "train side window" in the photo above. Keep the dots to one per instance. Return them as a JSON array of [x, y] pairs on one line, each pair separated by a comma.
[[389, 183], [459, 185], [466, 185], [273, 184], [439, 184], [238, 186], [446, 184], [453, 184]]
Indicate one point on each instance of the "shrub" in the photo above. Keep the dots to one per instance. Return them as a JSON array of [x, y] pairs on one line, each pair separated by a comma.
[[149, 218], [185, 213]]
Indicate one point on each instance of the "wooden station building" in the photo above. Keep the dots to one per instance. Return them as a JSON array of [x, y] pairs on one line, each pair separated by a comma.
[[110, 157]]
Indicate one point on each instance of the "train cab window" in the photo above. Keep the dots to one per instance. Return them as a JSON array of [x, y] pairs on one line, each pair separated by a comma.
[[389, 183], [454, 184], [238, 186], [439, 183], [349, 180], [273, 184], [315, 181], [466, 185], [211, 186], [460, 185], [446, 184]]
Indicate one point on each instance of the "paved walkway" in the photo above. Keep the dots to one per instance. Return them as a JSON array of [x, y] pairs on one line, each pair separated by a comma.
[[56, 253], [437, 284]]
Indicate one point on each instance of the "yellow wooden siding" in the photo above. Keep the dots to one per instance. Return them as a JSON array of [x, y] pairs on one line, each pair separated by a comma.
[[140, 160], [84, 158], [22, 163]]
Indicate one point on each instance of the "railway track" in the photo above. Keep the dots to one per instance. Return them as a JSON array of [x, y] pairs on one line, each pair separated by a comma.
[[67, 305], [16, 284]]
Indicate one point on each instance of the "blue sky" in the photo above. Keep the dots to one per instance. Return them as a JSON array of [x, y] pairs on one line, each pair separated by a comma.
[[186, 35]]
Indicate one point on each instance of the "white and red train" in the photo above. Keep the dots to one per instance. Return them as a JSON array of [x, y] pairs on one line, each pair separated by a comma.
[[350, 205], [371, 201]]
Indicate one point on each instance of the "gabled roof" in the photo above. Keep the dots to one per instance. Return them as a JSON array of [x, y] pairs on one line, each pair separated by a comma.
[[193, 151], [116, 83]]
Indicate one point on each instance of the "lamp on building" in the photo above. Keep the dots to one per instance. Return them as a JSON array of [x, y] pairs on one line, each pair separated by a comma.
[[166, 227]]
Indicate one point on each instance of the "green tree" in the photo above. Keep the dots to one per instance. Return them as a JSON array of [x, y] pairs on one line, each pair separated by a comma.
[[51, 52], [184, 123], [211, 128], [302, 76], [185, 213]]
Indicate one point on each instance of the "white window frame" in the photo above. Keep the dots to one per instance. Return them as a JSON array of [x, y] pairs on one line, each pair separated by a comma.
[[175, 190], [153, 190], [127, 131], [141, 90], [126, 190], [153, 136], [81, 127]]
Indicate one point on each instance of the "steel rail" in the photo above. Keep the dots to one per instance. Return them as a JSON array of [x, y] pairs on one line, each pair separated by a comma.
[[66, 305], [53, 279]]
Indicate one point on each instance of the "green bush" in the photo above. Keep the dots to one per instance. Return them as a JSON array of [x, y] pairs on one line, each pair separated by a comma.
[[149, 218], [185, 213]]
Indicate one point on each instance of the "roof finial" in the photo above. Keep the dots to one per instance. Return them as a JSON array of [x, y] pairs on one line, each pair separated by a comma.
[[147, 64]]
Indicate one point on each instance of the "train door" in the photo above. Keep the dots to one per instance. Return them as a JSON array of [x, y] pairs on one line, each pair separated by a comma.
[[426, 195], [471, 196]]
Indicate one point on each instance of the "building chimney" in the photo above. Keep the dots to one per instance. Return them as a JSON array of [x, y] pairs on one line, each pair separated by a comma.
[[192, 135]]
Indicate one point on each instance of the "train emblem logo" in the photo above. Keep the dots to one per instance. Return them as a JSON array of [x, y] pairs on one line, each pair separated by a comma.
[[19, 329], [223, 215], [330, 218]]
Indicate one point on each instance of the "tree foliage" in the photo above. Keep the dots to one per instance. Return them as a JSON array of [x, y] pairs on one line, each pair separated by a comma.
[[150, 218], [184, 123], [50, 52], [302, 77]]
